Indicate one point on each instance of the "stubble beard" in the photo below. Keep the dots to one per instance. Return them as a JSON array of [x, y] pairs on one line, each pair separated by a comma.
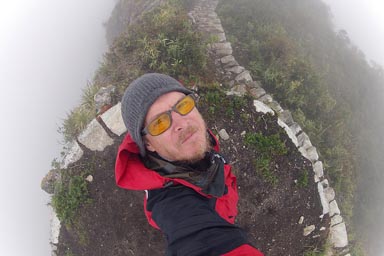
[[203, 147]]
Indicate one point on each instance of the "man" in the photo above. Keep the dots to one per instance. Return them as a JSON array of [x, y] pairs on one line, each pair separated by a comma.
[[169, 152]]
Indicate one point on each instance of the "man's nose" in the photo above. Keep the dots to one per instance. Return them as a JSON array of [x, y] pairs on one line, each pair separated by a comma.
[[178, 121]]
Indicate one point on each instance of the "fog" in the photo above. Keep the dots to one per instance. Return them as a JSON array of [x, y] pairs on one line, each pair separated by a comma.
[[364, 23], [49, 50]]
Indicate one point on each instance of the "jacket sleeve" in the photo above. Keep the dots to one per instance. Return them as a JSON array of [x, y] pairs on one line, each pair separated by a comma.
[[190, 223]]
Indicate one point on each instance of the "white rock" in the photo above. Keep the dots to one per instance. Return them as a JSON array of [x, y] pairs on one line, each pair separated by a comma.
[[227, 59], [257, 92], [295, 127], [308, 230], [337, 219], [243, 133], [89, 178], [261, 107], [303, 152], [312, 154], [244, 77], [223, 134], [323, 199], [286, 116], [55, 226], [338, 236], [236, 69], [238, 90], [221, 46], [301, 220], [266, 98], [113, 120], [329, 194], [304, 141], [221, 37], [73, 154], [95, 137], [288, 131], [333, 208], [325, 183], [318, 169], [275, 106]]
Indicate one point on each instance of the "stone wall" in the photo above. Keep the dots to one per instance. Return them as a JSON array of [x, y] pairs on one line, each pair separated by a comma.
[[96, 136]]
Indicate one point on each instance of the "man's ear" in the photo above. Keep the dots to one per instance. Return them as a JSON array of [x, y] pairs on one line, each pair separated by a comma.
[[149, 146]]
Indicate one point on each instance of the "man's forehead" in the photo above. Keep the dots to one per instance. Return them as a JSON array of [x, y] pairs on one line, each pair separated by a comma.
[[164, 103]]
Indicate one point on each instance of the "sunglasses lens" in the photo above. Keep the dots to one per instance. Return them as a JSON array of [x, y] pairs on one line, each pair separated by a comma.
[[159, 125], [185, 105]]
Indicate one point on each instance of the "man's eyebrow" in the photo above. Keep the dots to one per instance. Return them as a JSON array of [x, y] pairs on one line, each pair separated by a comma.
[[159, 114]]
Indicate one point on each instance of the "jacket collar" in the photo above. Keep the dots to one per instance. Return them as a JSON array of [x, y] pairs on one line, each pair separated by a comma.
[[130, 172]]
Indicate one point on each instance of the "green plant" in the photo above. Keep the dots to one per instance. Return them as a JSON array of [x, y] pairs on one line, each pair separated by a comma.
[[76, 122], [266, 145], [303, 179], [87, 98], [214, 99], [263, 165], [314, 252], [69, 197], [234, 103]]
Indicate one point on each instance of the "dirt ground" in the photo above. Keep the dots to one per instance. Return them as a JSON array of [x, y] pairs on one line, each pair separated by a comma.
[[114, 223]]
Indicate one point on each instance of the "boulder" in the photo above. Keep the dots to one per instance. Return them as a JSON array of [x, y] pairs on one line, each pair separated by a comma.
[[104, 97], [245, 77], [113, 120], [261, 107], [95, 137], [48, 183]]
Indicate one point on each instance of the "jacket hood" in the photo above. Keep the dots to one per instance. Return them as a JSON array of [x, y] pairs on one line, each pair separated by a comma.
[[130, 172]]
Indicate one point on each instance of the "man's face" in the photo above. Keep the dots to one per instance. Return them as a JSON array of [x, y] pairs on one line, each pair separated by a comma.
[[185, 140]]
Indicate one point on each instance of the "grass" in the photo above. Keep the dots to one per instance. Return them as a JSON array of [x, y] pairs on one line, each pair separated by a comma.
[[266, 147], [69, 197], [302, 182], [263, 168], [76, 122]]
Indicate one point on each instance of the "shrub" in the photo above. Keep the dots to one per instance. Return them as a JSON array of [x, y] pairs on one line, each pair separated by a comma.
[[69, 197]]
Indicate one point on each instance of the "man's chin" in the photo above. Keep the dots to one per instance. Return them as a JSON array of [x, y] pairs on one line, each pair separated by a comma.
[[195, 156]]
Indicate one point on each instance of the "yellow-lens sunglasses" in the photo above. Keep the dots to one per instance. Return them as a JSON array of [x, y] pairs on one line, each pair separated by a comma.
[[163, 121]]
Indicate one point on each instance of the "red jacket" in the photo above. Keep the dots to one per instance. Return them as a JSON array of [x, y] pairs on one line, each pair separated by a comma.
[[130, 173]]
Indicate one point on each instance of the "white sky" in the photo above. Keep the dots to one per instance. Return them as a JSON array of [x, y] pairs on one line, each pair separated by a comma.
[[364, 22], [48, 51]]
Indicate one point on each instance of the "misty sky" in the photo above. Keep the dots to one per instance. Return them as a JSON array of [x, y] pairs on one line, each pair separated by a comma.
[[48, 51], [364, 22]]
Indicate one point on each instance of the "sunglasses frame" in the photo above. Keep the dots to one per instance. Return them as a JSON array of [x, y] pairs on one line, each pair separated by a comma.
[[194, 97]]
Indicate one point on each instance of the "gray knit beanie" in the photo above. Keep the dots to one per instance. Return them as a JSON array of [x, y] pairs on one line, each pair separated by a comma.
[[138, 98]]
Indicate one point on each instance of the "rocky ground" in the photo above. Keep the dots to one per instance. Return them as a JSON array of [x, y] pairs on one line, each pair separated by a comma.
[[271, 202]]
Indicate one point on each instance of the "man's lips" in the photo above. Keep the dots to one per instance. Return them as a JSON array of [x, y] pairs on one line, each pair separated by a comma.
[[187, 137]]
